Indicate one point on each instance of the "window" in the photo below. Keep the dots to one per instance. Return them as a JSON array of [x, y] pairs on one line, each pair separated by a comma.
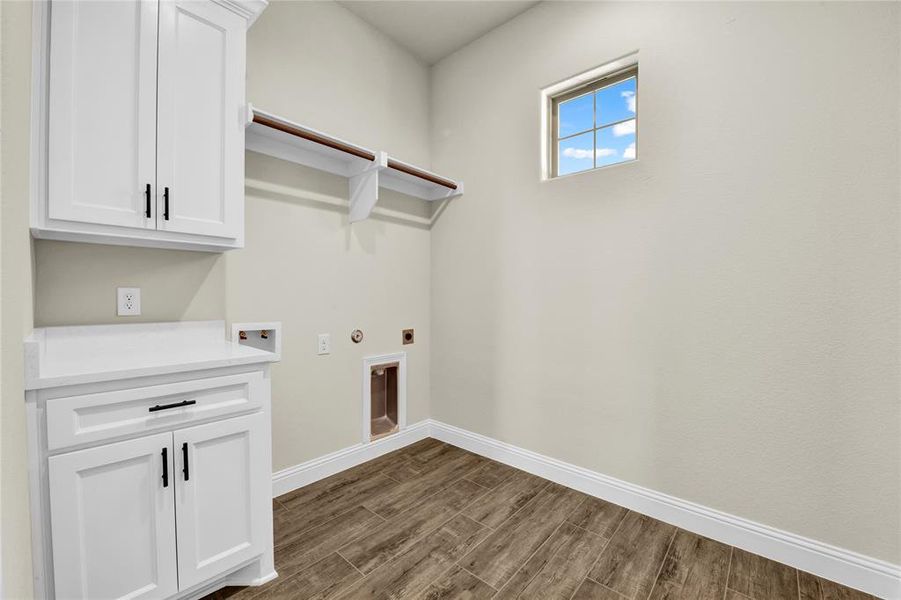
[[594, 125]]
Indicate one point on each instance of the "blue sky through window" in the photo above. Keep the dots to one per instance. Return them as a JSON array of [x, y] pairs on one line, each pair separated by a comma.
[[612, 110], [615, 145], [616, 102], [575, 154], [576, 115]]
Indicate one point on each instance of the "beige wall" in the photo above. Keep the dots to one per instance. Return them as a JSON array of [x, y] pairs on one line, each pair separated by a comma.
[[719, 320], [302, 264], [320, 65], [76, 283], [305, 267], [15, 296]]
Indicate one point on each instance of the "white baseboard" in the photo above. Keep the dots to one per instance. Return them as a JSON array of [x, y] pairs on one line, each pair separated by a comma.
[[319, 468], [854, 570], [870, 575]]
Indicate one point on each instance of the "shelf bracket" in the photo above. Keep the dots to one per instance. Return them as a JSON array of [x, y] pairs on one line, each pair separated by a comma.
[[364, 188]]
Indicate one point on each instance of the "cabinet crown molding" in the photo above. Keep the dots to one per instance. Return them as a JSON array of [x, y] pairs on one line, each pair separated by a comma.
[[249, 9]]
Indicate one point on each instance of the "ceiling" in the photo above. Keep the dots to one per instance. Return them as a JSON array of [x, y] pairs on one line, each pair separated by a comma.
[[432, 29]]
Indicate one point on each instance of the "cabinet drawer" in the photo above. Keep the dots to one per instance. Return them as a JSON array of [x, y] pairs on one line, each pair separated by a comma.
[[96, 417]]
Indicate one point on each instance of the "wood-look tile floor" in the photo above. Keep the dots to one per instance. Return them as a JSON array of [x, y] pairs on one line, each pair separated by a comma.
[[432, 521]]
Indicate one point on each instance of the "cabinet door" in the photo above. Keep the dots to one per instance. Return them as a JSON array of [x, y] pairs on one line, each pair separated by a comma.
[[102, 112], [201, 123], [223, 496], [113, 520]]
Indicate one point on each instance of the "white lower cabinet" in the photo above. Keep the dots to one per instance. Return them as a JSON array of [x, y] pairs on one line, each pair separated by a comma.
[[149, 461], [113, 512], [221, 496], [160, 514]]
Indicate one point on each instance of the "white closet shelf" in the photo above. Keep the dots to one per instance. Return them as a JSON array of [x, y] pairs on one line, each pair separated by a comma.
[[367, 170]]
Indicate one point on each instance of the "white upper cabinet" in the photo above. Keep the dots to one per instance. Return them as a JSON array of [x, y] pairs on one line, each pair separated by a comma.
[[143, 103], [102, 112], [201, 126]]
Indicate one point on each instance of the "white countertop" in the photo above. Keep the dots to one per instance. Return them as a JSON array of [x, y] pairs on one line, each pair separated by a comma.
[[58, 356]]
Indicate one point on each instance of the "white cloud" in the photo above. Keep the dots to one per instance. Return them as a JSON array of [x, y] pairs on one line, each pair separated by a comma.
[[580, 153], [624, 128], [629, 152], [629, 95], [576, 153]]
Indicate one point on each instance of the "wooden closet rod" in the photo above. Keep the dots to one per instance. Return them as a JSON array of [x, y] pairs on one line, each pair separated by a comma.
[[319, 139], [399, 166], [313, 137]]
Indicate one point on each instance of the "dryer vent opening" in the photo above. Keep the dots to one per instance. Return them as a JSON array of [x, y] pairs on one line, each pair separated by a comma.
[[383, 400]]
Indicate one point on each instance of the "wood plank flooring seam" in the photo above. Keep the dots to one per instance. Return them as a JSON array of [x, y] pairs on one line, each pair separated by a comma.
[[426, 532], [728, 572], [535, 498], [562, 501], [476, 576], [606, 588], [606, 543], [601, 553], [298, 534], [436, 492], [412, 542], [457, 565], [338, 552], [669, 547], [586, 504], [588, 531], [530, 557], [499, 483], [476, 499], [486, 488], [760, 578], [386, 475], [474, 540], [340, 588], [450, 518], [346, 496]]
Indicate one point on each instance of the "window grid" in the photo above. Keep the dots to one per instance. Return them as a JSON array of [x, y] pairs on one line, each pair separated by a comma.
[[591, 88]]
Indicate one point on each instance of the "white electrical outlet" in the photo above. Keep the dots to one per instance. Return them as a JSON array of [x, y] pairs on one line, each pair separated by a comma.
[[325, 343], [128, 302]]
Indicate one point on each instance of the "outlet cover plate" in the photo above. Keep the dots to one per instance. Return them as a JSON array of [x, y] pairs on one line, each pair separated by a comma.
[[128, 302], [325, 344]]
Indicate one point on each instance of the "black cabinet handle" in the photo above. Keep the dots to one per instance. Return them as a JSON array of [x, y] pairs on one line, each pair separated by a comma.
[[165, 467], [147, 198], [166, 203], [184, 458], [173, 405]]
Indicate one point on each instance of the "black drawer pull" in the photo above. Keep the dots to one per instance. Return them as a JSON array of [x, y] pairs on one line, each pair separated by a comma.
[[184, 458], [165, 467], [147, 198], [166, 203], [173, 405]]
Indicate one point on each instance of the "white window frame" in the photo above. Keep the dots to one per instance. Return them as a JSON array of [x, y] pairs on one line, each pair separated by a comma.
[[572, 87]]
